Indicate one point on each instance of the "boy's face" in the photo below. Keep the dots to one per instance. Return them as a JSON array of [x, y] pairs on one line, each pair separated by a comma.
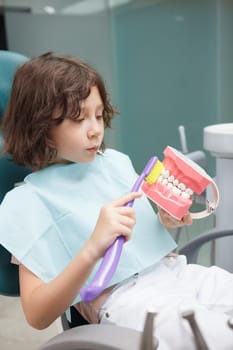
[[79, 140]]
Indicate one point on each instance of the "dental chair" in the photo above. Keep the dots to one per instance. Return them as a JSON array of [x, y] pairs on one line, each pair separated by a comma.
[[192, 248], [10, 173]]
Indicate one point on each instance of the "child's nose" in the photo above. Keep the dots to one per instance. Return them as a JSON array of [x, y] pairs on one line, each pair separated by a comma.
[[94, 129]]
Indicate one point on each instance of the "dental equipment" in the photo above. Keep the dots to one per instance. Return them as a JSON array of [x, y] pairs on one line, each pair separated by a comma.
[[198, 337], [148, 341], [218, 140]]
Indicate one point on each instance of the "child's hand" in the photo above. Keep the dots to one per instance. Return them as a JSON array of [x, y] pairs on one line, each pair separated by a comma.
[[170, 222], [115, 219]]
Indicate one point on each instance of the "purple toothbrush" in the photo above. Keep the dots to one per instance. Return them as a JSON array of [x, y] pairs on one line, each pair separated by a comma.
[[112, 255]]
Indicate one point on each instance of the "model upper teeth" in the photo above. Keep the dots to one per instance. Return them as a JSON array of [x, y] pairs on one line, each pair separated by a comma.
[[174, 185], [165, 173], [182, 186], [171, 178]]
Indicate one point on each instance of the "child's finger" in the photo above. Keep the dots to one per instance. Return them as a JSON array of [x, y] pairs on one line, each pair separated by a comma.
[[126, 198], [187, 219]]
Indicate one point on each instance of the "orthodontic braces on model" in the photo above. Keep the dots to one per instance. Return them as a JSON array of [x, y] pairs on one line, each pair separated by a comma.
[[178, 179]]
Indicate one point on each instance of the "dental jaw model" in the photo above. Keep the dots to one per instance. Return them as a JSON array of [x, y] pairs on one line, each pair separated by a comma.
[[176, 182]]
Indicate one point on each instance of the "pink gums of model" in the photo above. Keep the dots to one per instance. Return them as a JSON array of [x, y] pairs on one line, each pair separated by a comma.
[[179, 179]]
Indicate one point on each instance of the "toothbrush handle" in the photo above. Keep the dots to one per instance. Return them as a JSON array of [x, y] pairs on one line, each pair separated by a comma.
[[110, 260], [112, 256]]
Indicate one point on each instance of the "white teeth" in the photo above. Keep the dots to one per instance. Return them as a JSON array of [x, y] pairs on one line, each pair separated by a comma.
[[171, 178], [174, 185], [165, 173], [181, 186], [189, 191], [185, 195], [160, 178], [176, 190]]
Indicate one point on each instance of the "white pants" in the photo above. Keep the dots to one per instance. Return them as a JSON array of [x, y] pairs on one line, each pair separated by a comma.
[[169, 288]]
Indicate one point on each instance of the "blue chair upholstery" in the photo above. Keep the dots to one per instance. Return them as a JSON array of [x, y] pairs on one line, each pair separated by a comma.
[[9, 274], [9, 61], [10, 173]]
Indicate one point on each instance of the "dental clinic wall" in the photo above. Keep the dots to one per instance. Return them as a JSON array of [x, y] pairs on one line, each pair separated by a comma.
[[174, 64], [166, 62]]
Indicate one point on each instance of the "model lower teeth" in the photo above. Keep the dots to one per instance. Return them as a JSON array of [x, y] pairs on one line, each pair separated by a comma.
[[174, 185]]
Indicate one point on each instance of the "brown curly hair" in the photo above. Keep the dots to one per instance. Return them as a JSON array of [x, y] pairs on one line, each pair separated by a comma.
[[42, 86]]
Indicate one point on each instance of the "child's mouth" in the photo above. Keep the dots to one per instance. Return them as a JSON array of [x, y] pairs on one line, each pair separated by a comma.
[[93, 149]]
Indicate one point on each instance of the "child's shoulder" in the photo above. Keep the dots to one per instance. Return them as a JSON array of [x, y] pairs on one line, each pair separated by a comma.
[[19, 195], [18, 201]]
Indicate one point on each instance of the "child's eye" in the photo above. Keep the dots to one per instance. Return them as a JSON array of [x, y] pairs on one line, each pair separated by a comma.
[[99, 117], [79, 120]]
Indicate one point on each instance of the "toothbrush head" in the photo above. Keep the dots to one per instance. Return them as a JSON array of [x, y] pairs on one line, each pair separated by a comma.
[[154, 173]]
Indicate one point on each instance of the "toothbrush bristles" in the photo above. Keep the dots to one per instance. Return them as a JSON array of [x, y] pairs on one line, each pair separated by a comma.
[[155, 172]]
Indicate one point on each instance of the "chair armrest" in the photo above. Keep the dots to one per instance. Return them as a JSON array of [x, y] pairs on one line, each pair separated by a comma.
[[9, 274], [191, 249], [95, 337]]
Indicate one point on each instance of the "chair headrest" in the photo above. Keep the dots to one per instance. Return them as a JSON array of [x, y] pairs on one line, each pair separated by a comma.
[[9, 62]]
